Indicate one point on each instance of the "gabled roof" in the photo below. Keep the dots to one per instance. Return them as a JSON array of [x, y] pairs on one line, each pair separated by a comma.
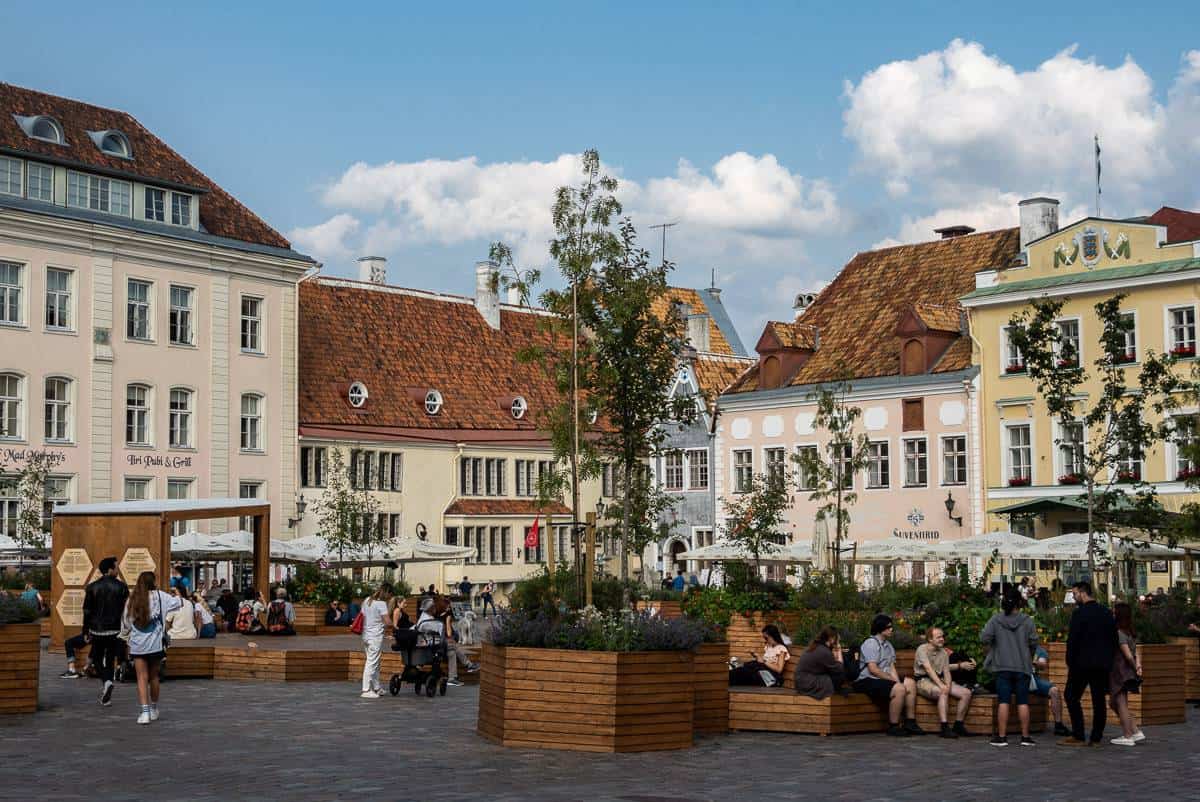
[[779, 334], [1182, 225], [403, 343], [857, 314], [153, 161], [939, 317], [715, 372], [722, 338]]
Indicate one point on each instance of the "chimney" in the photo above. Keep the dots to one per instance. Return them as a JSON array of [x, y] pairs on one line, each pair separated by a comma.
[[1039, 217], [697, 331], [950, 232], [803, 301], [372, 269], [514, 296], [487, 293]]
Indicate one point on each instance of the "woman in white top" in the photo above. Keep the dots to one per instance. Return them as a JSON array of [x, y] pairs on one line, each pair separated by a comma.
[[144, 625], [375, 619], [181, 624]]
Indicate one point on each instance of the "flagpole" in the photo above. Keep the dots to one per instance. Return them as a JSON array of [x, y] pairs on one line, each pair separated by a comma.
[[1097, 140]]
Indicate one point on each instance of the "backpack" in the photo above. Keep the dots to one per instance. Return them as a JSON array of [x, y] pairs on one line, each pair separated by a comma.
[[277, 616], [245, 619], [850, 666]]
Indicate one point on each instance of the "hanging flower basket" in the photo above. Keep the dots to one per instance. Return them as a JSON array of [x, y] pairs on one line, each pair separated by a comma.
[[1070, 479], [1128, 477], [1187, 473], [1015, 368], [1019, 481], [1184, 351]]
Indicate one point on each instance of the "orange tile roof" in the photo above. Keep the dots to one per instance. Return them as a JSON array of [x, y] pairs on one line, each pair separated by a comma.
[[939, 317], [506, 506], [857, 314], [717, 343], [794, 334], [1182, 225], [715, 372], [153, 160]]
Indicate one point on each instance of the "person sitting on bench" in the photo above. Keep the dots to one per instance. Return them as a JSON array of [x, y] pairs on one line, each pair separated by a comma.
[[878, 679], [767, 672], [819, 670], [934, 682]]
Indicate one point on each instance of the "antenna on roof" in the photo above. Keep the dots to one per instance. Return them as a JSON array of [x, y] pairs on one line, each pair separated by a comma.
[[664, 227], [714, 278]]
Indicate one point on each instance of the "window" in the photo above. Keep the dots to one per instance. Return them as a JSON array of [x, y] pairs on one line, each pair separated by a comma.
[[98, 194], [1020, 455], [841, 459], [252, 439], [312, 466], [55, 493], [394, 525], [181, 209], [495, 470], [393, 479], [1130, 354], [1129, 462], [525, 478], [537, 554], [137, 310], [697, 459], [137, 489], [180, 489], [470, 470], [806, 456], [562, 544], [10, 504], [251, 324], [500, 545], [10, 406], [181, 315], [1070, 450], [1069, 354], [114, 143], [10, 293], [1182, 335], [58, 298], [878, 465], [673, 471], [180, 419], [451, 538], [358, 395], [433, 402], [250, 490], [1186, 439], [58, 410], [45, 128], [913, 415], [775, 466], [39, 182], [743, 470], [916, 462], [10, 176], [155, 205], [608, 480], [954, 460], [519, 407], [1014, 360], [137, 415]]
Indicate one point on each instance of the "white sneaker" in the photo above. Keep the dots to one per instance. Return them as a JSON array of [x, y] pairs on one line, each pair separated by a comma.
[[144, 717], [368, 695], [1139, 736], [1123, 741], [154, 714]]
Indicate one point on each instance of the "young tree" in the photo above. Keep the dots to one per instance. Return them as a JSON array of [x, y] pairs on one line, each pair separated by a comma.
[[29, 481], [755, 517], [647, 503], [345, 512], [831, 478], [1104, 428]]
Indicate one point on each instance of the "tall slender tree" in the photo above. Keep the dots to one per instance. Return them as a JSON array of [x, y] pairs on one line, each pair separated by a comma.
[[346, 510], [756, 516]]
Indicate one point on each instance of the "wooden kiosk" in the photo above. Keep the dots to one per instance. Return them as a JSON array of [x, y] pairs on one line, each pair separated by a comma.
[[138, 534]]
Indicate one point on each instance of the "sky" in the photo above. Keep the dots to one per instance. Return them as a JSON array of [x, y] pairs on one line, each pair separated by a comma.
[[782, 138]]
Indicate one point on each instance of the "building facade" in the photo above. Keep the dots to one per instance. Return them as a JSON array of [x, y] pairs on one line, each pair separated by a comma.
[[147, 319], [1155, 263], [888, 325]]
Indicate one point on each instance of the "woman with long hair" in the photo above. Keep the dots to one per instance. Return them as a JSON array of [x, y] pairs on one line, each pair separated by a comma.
[[1125, 676], [375, 620], [774, 657], [146, 627], [819, 670]]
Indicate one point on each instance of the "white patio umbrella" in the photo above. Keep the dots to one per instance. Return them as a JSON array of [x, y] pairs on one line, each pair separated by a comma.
[[732, 552], [1074, 546], [1006, 543], [820, 545], [889, 549]]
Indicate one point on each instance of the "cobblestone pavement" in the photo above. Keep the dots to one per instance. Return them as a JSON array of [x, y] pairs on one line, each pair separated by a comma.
[[229, 741]]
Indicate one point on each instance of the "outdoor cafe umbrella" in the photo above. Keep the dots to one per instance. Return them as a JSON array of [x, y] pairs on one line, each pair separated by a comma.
[[890, 549], [1006, 544], [733, 552], [820, 545], [1074, 546]]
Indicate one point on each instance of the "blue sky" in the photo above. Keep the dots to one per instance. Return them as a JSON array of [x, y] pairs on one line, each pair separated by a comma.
[[784, 138]]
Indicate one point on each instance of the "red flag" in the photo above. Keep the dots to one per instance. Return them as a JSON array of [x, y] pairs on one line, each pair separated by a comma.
[[531, 537]]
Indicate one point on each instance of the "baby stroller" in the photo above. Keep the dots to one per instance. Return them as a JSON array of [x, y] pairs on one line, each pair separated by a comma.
[[424, 653]]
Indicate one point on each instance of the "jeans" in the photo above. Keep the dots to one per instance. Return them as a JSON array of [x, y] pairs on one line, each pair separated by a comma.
[[1079, 680], [487, 599], [370, 677], [73, 643], [1009, 683], [455, 654], [208, 631], [106, 651]]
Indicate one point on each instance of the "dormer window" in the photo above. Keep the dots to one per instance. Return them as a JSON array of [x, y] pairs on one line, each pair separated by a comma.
[[358, 395], [519, 407], [433, 402], [112, 143], [41, 127]]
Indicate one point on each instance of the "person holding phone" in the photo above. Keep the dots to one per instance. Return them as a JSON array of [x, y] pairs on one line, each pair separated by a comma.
[[767, 670], [820, 670]]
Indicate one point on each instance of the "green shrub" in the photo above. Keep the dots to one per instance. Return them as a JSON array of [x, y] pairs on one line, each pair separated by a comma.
[[550, 594], [311, 585], [713, 606], [591, 630], [40, 577], [15, 611]]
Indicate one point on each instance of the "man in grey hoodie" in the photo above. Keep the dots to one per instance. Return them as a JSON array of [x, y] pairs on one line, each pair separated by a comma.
[[1011, 638]]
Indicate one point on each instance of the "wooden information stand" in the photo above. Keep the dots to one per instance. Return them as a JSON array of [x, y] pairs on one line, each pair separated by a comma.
[[138, 534]]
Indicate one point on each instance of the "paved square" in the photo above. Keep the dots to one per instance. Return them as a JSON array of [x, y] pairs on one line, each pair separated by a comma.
[[229, 741]]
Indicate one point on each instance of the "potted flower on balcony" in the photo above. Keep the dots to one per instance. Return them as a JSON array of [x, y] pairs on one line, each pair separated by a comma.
[[1127, 476], [1018, 481], [1064, 362], [1015, 367], [1187, 473], [1184, 351], [1125, 357], [1070, 479]]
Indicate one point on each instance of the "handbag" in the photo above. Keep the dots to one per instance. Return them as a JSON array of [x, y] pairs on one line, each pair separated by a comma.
[[166, 639], [357, 626], [1132, 685]]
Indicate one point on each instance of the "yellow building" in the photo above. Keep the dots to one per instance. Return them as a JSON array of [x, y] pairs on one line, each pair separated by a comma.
[[1155, 263]]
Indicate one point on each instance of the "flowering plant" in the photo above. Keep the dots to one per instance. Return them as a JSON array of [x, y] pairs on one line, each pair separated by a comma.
[[1018, 481]]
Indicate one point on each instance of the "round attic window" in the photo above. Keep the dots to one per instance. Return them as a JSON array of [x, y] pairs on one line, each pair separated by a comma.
[[358, 395], [433, 402], [47, 129], [593, 416], [114, 143], [519, 407]]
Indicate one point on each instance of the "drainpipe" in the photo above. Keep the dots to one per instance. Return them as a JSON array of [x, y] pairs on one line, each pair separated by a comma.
[[975, 429]]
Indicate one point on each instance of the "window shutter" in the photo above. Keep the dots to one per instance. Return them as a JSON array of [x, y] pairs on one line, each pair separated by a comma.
[[914, 414]]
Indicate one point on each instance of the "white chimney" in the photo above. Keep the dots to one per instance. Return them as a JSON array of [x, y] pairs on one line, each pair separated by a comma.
[[372, 269], [487, 292], [1039, 217], [697, 331], [514, 296], [803, 301]]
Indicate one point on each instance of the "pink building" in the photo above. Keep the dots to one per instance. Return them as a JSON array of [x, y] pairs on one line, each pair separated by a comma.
[[147, 319], [891, 326]]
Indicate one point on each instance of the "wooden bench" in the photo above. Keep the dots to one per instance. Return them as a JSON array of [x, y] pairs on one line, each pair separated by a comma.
[[981, 716], [784, 710]]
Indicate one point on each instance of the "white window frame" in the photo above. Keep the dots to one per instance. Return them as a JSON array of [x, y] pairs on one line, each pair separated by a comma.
[[674, 467], [188, 311], [315, 467], [1169, 327], [1060, 458], [181, 419], [433, 402], [801, 476], [154, 204], [131, 305], [259, 485], [1173, 455], [904, 441], [1079, 351], [20, 290], [41, 170], [99, 194], [693, 466], [886, 474], [147, 416], [59, 411], [942, 454], [62, 301], [1132, 335], [735, 469], [17, 403], [769, 465], [1006, 354], [189, 483], [258, 425], [6, 165], [1006, 450], [181, 209], [143, 481], [254, 325]]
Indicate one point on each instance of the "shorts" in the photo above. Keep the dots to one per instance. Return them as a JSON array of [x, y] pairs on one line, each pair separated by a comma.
[[150, 658], [874, 687], [1009, 683], [1043, 687], [928, 688]]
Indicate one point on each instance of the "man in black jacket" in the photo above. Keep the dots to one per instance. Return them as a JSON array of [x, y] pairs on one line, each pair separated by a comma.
[[103, 608], [1091, 646]]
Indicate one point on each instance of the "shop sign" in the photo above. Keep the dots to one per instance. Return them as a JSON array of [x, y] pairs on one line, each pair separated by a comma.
[[158, 461]]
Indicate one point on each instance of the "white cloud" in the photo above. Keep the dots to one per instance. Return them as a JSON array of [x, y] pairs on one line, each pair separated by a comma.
[[328, 240], [999, 210]]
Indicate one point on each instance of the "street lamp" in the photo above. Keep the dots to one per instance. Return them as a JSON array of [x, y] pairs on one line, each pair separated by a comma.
[[301, 505], [950, 508]]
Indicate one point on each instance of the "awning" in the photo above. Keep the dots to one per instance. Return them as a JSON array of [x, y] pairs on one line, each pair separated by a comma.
[[1074, 546], [1123, 512], [1007, 544]]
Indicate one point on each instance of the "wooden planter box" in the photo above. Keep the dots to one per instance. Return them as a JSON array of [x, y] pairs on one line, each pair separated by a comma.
[[666, 609], [710, 688], [586, 701], [1191, 665], [20, 651], [1163, 696]]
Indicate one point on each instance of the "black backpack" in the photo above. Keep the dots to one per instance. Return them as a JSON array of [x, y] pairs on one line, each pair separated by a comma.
[[850, 665]]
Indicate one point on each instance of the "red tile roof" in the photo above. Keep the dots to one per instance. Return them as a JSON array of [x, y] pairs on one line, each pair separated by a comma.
[[856, 315], [403, 343], [717, 343], [715, 372], [1182, 225], [939, 317], [794, 335], [506, 506], [153, 160]]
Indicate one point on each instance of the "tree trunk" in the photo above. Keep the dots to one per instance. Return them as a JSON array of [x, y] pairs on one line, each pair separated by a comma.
[[626, 504], [1091, 549]]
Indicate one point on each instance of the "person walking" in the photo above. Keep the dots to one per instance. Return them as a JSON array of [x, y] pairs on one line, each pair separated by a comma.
[[1091, 646], [103, 609], [1125, 676], [145, 622], [1011, 638], [375, 617], [487, 598]]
